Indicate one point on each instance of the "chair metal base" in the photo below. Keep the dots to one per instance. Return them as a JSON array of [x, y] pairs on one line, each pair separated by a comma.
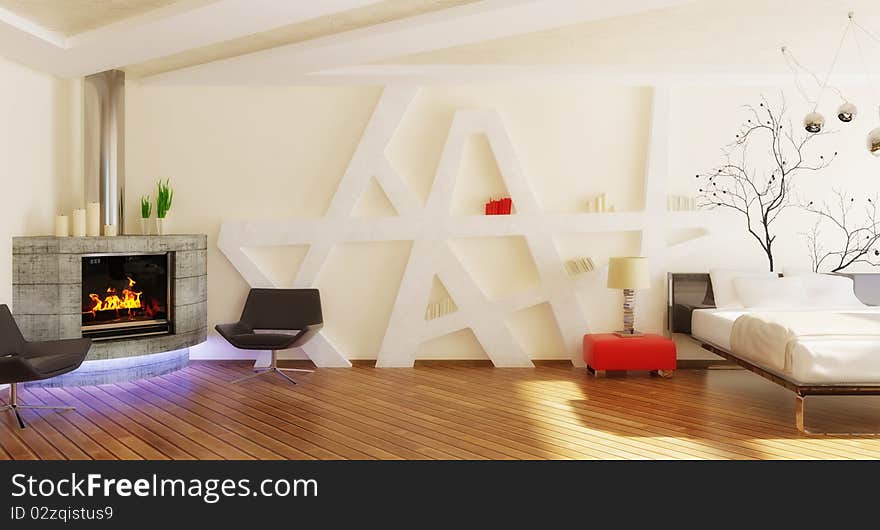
[[15, 406], [273, 369]]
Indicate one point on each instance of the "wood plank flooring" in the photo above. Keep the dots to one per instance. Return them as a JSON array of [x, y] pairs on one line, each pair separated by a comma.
[[437, 412]]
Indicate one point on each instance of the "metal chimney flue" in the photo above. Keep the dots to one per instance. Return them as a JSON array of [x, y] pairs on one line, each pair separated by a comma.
[[104, 144]]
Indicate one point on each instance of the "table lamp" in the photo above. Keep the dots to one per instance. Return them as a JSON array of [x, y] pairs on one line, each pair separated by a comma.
[[629, 274]]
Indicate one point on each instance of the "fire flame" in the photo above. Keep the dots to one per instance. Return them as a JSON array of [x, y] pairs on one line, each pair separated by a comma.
[[129, 300]]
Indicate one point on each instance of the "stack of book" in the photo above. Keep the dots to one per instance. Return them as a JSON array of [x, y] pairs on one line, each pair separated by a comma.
[[579, 266], [599, 204], [499, 207], [681, 203], [438, 309]]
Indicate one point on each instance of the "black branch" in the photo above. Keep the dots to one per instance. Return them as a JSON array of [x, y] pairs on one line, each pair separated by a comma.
[[856, 238], [760, 195]]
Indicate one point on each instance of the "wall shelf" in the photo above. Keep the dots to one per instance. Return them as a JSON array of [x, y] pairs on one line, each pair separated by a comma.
[[431, 225]]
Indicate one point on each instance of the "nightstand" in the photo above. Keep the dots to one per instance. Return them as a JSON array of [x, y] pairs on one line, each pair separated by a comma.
[[607, 351]]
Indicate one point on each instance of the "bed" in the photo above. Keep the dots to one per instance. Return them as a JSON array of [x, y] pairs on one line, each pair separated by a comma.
[[827, 349]]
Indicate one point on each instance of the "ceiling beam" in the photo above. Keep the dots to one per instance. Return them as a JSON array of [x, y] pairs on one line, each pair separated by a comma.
[[692, 76], [623, 75], [486, 20], [163, 32], [8, 18]]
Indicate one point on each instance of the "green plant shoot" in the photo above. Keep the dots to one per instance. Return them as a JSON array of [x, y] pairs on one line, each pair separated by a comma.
[[146, 207], [163, 198]]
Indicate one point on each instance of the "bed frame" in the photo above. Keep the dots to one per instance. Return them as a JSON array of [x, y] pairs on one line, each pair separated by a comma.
[[690, 291]]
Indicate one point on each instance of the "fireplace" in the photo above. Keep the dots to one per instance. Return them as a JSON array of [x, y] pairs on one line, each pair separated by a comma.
[[126, 295]]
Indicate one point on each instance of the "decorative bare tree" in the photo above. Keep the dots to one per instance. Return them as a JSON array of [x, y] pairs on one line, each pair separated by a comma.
[[859, 241], [759, 194]]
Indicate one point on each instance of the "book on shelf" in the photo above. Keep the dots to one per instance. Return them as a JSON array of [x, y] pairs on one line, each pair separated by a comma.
[[681, 203], [439, 309], [499, 207], [579, 266], [599, 204]]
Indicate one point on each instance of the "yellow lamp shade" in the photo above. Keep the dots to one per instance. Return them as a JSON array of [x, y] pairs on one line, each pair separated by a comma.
[[628, 273]]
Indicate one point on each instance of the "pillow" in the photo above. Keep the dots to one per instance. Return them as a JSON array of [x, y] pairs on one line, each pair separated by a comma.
[[709, 297], [770, 292], [722, 285], [829, 291]]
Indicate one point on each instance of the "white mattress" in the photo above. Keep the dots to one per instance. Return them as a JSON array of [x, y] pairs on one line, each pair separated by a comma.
[[715, 325], [797, 344]]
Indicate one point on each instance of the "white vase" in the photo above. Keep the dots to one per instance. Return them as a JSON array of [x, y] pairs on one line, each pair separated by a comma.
[[145, 226], [160, 226]]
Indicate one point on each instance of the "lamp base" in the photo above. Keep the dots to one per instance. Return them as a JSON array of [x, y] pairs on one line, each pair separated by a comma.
[[629, 305]]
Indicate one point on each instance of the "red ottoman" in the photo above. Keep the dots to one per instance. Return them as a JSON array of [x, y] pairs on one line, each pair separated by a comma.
[[607, 351]]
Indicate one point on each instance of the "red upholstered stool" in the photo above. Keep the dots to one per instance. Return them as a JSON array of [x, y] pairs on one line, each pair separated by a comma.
[[607, 351]]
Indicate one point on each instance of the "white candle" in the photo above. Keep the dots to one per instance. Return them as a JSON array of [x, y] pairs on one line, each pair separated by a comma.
[[79, 222], [601, 206], [93, 219], [109, 230], [62, 226]]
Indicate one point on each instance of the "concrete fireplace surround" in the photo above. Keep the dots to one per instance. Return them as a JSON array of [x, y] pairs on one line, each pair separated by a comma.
[[46, 301]]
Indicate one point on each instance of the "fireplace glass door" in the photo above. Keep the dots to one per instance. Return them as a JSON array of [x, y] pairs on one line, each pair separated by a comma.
[[125, 295]]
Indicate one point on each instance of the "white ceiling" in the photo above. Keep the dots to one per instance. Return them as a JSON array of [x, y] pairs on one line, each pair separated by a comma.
[[69, 17], [178, 27], [227, 42], [338, 22], [708, 36]]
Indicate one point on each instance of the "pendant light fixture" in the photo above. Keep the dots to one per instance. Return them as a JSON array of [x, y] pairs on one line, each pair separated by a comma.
[[847, 112], [814, 121], [873, 141]]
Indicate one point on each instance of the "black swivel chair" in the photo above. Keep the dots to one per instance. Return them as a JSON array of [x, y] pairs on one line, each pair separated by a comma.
[[275, 319], [22, 361]]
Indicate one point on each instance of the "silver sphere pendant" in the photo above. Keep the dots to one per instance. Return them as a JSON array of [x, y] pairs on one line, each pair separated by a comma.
[[847, 112], [874, 142], [814, 122]]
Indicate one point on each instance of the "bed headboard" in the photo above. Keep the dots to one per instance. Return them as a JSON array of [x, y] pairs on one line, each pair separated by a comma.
[[867, 286], [693, 290], [686, 291]]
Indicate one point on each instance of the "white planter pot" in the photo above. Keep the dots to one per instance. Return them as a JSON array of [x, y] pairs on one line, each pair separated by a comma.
[[145, 226], [161, 226]]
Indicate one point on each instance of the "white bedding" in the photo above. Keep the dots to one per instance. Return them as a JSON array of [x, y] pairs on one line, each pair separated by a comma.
[[807, 346], [715, 325]]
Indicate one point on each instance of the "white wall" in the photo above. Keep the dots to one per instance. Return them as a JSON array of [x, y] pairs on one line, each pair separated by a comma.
[[242, 153], [36, 157], [279, 152], [245, 153], [704, 120]]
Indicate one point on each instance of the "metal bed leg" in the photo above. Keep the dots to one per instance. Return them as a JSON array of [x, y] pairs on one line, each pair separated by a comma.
[[799, 420], [799, 413]]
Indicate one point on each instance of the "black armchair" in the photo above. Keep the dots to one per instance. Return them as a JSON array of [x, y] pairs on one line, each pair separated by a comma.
[[22, 361], [275, 319]]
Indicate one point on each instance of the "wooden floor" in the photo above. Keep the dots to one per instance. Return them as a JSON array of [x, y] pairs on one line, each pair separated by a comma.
[[437, 412]]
